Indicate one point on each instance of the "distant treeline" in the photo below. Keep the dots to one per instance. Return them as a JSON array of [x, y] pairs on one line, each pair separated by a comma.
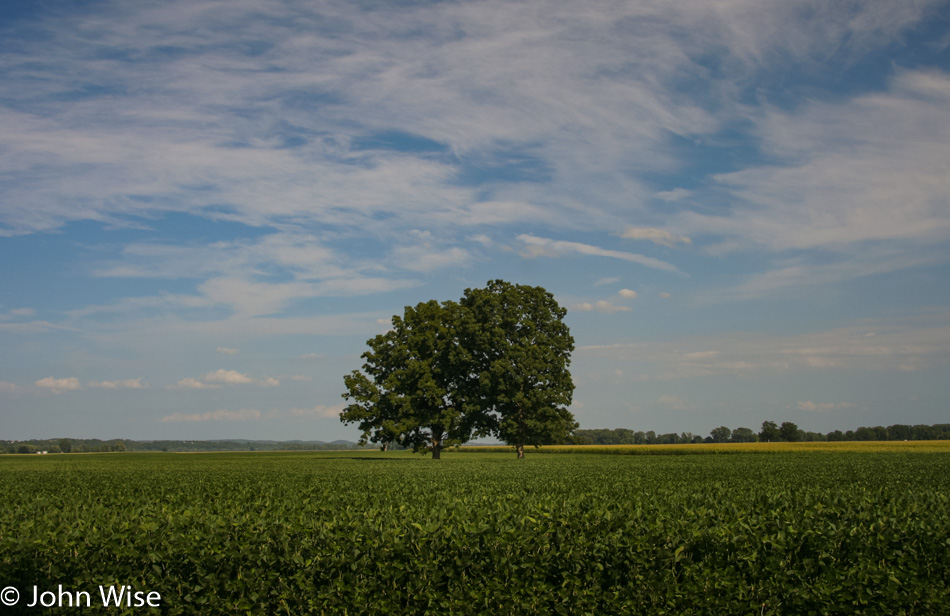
[[770, 431], [78, 445], [786, 432]]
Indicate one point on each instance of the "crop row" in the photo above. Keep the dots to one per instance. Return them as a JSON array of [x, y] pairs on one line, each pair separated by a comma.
[[474, 534]]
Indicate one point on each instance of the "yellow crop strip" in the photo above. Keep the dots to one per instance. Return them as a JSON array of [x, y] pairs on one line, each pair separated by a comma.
[[734, 448]]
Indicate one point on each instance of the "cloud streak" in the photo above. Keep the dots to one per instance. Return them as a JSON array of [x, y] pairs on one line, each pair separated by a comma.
[[823, 407], [219, 415], [544, 247], [123, 384], [58, 386]]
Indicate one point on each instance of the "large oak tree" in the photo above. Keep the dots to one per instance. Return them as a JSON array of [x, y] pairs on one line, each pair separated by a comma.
[[521, 350], [409, 389], [494, 363]]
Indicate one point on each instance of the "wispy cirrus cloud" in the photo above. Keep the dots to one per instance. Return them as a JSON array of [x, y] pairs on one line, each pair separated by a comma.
[[657, 236], [859, 188], [373, 126], [587, 87], [544, 247]]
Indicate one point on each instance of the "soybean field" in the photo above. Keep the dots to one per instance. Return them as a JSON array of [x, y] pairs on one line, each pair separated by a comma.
[[791, 532]]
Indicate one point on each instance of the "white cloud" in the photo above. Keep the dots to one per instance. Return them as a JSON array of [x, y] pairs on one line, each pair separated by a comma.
[[33, 327], [627, 293], [346, 287], [608, 307], [572, 95], [221, 377], [59, 385], [227, 351], [219, 415], [677, 194], [6, 387], [823, 407], [320, 410], [790, 276], [124, 384], [492, 213], [306, 255], [425, 257], [862, 180], [543, 247], [657, 236], [673, 402], [608, 280], [600, 306], [665, 295], [250, 298], [192, 383], [228, 377]]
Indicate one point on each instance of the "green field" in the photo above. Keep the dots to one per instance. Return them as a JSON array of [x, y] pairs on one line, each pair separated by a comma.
[[857, 532]]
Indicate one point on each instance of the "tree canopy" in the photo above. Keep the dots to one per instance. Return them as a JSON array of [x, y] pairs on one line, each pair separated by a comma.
[[494, 363], [522, 350], [409, 391]]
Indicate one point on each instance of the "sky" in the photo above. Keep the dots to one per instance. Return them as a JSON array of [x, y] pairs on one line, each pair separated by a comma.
[[207, 207]]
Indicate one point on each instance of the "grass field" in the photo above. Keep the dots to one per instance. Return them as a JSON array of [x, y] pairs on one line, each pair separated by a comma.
[[841, 532]]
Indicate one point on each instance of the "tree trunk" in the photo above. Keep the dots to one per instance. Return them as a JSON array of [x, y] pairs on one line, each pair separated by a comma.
[[520, 447], [437, 435]]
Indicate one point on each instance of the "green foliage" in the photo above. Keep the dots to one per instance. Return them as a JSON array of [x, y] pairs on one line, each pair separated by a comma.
[[369, 533], [789, 432], [412, 384], [522, 351], [770, 432], [744, 435], [494, 363]]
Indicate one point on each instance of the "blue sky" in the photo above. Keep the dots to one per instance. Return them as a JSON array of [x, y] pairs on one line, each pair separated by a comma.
[[207, 207]]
